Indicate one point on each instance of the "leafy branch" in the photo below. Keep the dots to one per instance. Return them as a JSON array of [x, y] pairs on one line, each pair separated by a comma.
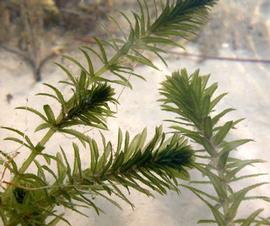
[[178, 18], [157, 165], [193, 101], [31, 199]]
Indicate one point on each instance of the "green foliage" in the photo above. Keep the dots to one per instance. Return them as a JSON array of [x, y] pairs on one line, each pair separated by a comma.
[[177, 19], [90, 107], [156, 165], [134, 164], [182, 18], [32, 198], [194, 101]]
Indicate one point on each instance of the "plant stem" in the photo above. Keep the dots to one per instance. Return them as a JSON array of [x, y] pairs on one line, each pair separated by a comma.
[[224, 201], [52, 131], [114, 59], [33, 154]]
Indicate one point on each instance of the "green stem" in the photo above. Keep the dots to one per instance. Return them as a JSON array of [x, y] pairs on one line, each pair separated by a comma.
[[224, 201], [121, 52], [52, 131], [34, 154]]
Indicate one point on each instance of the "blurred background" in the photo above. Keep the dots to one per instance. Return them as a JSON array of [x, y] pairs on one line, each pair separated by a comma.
[[234, 47], [36, 31]]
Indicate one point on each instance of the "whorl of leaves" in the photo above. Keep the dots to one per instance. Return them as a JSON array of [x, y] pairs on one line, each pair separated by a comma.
[[176, 19], [181, 18], [148, 33], [90, 107], [29, 199], [155, 165], [193, 101], [134, 164]]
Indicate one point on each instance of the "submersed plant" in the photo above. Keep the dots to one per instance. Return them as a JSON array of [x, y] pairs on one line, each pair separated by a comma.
[[194, 101], [32, 198]]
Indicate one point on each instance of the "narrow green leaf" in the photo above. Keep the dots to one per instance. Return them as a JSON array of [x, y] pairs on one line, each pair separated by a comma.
[[59, 95], [208, 126], [218, 216], [205, 106], [102, 50], [80, 136], [142, 60], [33, 111], [13, 130], [73, 60], [264, 198], [222, 133], [211, 89], [68, 73], [207, 222], [50, 171], [248, 176], [237, 165], [94, 52], [40, 173], [67, 166], [121, 195], [47, 95], [77, 168], [49, 113], [195, 190], [16, 140], [89, 61], [250, 219], [119, 142], [238, 197], [61, 169], [216, 181], [228, 146], [42, 126], [57, 219], [216, 100], [12, 166], [94, 155], [220, 115]]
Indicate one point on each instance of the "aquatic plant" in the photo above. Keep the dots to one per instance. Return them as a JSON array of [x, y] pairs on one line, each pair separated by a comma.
[[159, 165]]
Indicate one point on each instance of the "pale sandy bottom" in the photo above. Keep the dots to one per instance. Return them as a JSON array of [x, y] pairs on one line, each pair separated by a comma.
[[248, 86]]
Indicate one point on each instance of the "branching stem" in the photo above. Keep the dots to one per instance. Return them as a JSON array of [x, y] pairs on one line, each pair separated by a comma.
[[34, 154], [224, 200], [52, 131]]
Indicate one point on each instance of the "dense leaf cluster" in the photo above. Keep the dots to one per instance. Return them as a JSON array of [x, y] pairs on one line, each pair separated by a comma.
[[193, 101], [157, 165], [31, 198]]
